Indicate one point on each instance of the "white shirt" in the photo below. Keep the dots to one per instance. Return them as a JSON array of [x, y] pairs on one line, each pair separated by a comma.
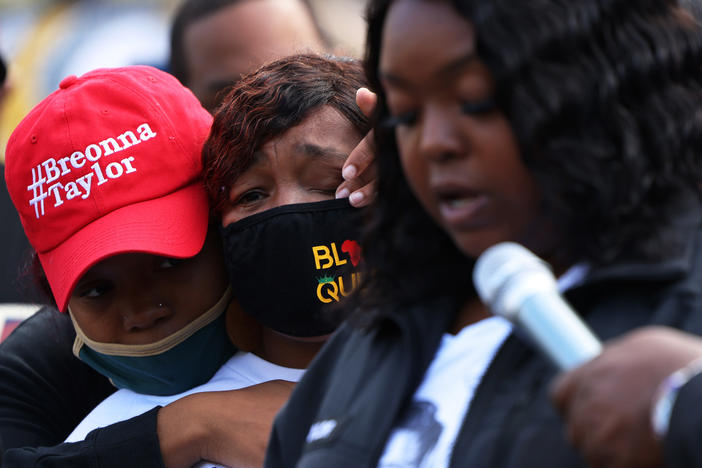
[[241, 370], [425, 435], [427, 430]]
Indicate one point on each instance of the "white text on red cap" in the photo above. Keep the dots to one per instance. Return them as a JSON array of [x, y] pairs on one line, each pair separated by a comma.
[[55, 168]]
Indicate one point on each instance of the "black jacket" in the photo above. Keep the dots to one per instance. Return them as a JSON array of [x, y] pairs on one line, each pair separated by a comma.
[[358, 385], [45, 391], [683, 446]]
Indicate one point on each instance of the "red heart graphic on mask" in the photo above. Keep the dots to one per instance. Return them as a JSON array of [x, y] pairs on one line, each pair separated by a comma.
[[352, 248]]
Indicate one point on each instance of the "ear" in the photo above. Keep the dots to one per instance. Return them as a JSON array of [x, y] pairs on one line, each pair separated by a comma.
[[243, 330]]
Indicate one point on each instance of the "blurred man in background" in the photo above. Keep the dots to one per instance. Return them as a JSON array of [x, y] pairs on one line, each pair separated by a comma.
[[215, 42]]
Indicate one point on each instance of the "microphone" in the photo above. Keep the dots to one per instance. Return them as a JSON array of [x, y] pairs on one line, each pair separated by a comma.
[[519, 286]]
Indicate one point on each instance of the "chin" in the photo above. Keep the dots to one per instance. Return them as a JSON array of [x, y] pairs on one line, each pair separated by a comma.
[[473, 244]]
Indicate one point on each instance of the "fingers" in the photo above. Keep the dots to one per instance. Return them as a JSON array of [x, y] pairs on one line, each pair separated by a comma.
[[359, 168], [360, 159], [566, 393], [363, 196], [359, 174], [366, 101], [584, 424], [561, 391], [605, 404]]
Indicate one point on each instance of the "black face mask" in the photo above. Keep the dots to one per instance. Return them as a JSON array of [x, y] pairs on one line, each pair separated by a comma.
[[289, 266]]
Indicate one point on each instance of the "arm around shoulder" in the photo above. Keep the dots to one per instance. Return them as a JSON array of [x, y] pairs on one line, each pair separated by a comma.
[[45, 391], [133, 442]]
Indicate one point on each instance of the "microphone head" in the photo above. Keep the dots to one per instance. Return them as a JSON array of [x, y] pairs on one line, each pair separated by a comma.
[[506, 274]]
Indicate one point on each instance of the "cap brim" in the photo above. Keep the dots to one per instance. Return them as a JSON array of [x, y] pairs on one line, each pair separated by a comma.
[[172, 226]]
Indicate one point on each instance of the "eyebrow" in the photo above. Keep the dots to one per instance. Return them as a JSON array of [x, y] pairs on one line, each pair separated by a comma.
[[317, 151], [445, 71]]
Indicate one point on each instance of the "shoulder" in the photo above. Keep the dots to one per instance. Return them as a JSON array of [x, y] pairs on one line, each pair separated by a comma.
[[47, 329], [346, 342]]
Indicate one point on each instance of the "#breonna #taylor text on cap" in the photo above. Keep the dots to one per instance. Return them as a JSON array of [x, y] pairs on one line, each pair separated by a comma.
[[107, 164]]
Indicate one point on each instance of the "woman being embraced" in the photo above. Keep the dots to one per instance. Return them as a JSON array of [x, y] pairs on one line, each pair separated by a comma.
[[271, 165]]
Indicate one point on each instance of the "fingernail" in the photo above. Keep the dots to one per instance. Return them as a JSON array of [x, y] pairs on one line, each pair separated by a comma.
[[343, 193], [349, 172], [355, 198]]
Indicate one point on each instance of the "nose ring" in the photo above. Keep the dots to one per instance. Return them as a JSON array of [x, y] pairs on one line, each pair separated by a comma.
[[160, 305]]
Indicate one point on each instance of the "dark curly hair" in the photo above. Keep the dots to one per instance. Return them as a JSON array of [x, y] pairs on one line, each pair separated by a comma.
[[269, 101], [605, 99]]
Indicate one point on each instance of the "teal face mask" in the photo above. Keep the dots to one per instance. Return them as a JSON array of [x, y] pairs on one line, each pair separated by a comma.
[[179, 362]]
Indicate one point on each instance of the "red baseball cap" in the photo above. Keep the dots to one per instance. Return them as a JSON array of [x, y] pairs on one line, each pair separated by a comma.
[[108, 164]]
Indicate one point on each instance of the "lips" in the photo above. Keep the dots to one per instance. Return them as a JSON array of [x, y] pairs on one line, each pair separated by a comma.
[[460, 207]]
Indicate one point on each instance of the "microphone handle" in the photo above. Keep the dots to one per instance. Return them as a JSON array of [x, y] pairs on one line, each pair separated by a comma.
[[557, 330]]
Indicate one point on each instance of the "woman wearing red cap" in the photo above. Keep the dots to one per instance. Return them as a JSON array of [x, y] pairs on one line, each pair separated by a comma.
[[115, 208]]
